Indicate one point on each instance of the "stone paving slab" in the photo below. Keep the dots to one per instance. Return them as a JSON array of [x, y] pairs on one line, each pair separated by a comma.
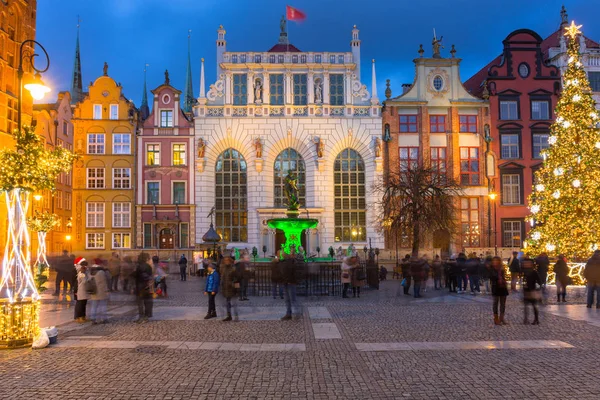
[[480, 345], [123, 344], [319, 313], [326, 330]]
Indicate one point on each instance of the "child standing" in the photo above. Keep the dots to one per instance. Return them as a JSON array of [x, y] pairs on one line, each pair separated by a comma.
[[211, 289]]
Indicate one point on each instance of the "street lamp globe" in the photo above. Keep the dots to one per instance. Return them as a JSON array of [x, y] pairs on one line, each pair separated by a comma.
[[37, 88]]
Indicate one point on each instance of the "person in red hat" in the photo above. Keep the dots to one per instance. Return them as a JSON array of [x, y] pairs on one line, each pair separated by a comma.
[[81, 294]]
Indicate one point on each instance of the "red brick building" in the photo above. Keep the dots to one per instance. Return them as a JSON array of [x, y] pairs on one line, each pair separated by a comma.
[[522, 90]]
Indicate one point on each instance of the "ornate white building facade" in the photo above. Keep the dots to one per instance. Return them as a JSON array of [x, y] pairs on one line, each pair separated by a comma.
[[279, 110]]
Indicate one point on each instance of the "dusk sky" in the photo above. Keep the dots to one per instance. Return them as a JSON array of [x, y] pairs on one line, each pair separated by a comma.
[[129, 33]]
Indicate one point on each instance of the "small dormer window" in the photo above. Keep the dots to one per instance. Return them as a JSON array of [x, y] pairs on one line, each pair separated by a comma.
[[332, 59], [318, 58], [234, 58], [243, 58], [340, 59], [303, 59], [294, 59], [438, 83], [257, 59], [280, 58], [272, 59]]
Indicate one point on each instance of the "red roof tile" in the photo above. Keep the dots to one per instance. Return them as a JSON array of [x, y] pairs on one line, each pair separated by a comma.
[[282, 48]]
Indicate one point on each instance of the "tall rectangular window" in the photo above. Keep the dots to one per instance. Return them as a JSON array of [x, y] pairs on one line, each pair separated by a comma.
[[65, 128], [152, 193], [437, 123], [511, 189], [332, 58], [438, 160], [121, 215], [467, 123], [409, 158], [68, 201], [95, 178], [95, 143], [594, 77], [95, 215], [121, 143], [147, 236], [276, 89], [184, 235], [509, 110], [272, 58], [97, 111], [153, 154], [294, 59], [94, 240], [299, 89], [318, 58], [58, 197], [121, 240], [336, 89], [121, 178], [408, 123], [166, 118], [179, 193], [280, 59], [509, 143], [179, 157], [69, 179], [512, 232], [114, 111], [469, 221], [469, 166], [540, 142], [540, 109], [240, 89]]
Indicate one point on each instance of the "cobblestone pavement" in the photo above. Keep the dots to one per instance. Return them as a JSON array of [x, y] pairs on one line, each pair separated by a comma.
[[263, 358]]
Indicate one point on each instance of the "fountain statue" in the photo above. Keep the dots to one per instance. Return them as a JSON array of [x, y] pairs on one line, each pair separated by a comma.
[[292, 226]]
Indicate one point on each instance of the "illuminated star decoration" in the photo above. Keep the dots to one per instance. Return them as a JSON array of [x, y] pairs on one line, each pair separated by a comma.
[[573, 30]]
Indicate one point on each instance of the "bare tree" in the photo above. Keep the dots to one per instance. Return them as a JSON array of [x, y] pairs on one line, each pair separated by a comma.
[[417, 202]]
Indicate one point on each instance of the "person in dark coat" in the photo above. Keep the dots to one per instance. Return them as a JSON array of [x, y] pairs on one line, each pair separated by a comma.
[[543, 265], [228, 284], [485, 269], [561, 271], [357, 276], [436, 267], [499, 289], [144, 286], [405, 267], [183, 267], [461, 273], [591, 273], [288, 278], [242, 268], [531, 294], [63, 266], [450, 269], [276, 278], [473, 272], [514, 267], [417, 271], [211, 288]]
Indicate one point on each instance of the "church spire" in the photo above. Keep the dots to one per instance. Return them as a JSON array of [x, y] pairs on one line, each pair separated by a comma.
[[144, 109], [76, 83], [188, 95]]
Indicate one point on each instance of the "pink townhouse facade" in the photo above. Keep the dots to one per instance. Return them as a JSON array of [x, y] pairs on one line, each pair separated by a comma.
[[165, 184]]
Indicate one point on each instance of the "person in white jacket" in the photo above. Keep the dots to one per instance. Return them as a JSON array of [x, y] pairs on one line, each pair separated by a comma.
[[99, 300], [81, 295]]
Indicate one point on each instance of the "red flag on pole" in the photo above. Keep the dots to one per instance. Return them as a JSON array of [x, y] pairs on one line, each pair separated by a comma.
[[293, 14]]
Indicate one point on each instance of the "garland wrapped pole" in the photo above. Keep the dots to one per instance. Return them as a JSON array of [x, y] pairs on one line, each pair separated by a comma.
[[26, 168], [41, 223]]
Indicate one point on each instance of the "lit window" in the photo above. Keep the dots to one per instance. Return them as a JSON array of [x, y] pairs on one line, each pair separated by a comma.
[[153, 154], [94, 240], [350, 207], [231, 200], [512, 233], [179, 156], [121, 240], [469, 166], [469, 221]]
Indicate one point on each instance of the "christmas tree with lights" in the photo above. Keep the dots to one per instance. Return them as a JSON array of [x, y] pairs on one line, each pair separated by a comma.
[[565, 202]]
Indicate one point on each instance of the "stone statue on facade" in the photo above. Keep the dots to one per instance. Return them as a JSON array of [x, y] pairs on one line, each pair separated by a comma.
[[318, 92], [258, 147], [437, 45], [105, 69], [201, 148], [291, 191], [377, 147], [167, 80], [258, 91], [319, 147], [282, 24]]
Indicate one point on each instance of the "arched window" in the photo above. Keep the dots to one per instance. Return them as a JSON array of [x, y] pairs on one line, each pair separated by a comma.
[[231, 199], [289, 160], [349, 197]]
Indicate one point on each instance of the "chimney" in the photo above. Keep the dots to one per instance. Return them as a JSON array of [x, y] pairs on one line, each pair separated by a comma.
[[406, 87]]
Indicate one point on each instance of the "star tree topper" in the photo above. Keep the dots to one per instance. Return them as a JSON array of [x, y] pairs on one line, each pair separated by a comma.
[[573, 30]]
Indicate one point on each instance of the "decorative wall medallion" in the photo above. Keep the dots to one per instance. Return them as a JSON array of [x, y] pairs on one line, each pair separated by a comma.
[[166, 99], [105, 93], [438, 82], [152, 174], [178, 174]]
